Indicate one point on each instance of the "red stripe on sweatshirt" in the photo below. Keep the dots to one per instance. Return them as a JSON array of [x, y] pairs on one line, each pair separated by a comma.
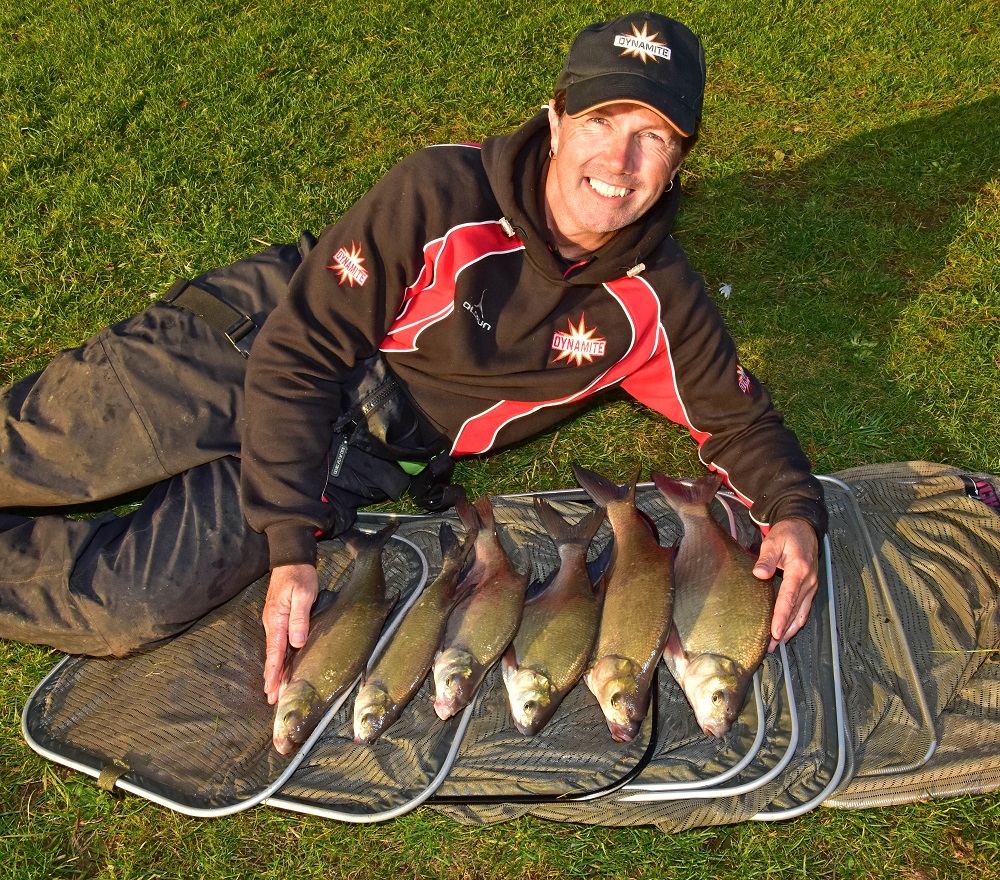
[[431, 298], [642, 307]]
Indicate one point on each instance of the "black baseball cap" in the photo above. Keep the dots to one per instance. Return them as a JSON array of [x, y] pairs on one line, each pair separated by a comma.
[[643, 58]]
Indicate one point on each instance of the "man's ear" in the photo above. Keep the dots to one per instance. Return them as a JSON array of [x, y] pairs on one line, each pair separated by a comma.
[[680, 161], [553, 127]]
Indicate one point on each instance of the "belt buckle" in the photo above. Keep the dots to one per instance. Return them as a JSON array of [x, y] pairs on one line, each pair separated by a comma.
[[242, 332]]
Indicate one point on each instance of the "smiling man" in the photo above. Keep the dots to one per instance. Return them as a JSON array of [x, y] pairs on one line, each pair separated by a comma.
[[608, 168], [472, 298], [506, 285]]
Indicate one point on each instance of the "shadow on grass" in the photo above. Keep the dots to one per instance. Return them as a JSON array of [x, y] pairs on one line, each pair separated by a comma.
[[826, 257], [830, 253]]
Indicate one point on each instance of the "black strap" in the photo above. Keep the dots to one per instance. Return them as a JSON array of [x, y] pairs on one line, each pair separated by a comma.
[[238, 328]]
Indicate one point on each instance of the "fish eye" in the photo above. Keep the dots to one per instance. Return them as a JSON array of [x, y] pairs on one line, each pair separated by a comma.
[[616, 701], [718, 698], [530, 706]]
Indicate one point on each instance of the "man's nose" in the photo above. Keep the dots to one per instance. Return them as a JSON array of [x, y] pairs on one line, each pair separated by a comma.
[[621, 153]]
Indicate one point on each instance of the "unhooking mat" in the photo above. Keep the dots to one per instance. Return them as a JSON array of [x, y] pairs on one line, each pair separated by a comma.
[[890, 693]]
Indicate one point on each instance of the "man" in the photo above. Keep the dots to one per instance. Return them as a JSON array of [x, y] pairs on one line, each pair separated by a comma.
[[472, 298], [505, 285]]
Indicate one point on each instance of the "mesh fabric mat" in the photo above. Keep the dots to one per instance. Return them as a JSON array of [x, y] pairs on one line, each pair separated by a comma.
[[924, 713], [914, 586], [185, 724]]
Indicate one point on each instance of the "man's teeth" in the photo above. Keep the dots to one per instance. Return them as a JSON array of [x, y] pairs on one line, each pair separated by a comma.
[[606, 190]]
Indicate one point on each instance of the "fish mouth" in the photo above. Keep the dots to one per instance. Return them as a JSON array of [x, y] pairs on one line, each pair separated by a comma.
[[624, 733], [716, 727], [289, 732], [530, 728], [366, 738], [607, 190], [368, 727], [444, 709], [454, 683], [282, 745]]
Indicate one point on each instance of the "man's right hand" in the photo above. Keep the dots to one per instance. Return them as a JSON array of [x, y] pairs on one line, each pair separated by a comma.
[[290, 596]]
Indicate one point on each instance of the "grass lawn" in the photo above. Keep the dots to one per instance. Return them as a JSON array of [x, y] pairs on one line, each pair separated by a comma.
[[846, 189]]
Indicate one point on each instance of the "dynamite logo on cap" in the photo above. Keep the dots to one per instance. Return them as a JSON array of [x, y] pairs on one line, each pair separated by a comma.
[[642, 45]]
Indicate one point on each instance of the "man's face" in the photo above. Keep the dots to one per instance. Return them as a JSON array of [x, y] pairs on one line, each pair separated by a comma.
[[609, 167]]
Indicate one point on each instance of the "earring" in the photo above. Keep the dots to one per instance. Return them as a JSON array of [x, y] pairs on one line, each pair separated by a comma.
[[670, 186]]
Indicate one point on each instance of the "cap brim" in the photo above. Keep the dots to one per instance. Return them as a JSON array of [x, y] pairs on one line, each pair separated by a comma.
[[599, 91]]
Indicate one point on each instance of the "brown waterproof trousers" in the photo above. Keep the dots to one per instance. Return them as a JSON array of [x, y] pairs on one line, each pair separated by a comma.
[[154, 401]]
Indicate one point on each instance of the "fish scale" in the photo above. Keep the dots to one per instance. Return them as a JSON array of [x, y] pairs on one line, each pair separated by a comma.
[[482, 624], [722, 611], [638, 607]]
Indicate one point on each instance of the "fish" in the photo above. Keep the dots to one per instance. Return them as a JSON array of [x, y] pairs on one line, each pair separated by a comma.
[[638, 607], [558, 625], [485, 621], [343, 630], [401, 668], [722, 611]]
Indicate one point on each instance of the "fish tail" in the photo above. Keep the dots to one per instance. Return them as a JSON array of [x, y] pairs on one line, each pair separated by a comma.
[[601, 489], [358, 541], [468, 514], [562, 532], [698, 494], [484, 507]]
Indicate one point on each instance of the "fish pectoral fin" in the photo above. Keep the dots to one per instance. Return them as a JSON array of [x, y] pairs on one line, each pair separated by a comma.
[[324, 600], [508, 664], [674, 654]]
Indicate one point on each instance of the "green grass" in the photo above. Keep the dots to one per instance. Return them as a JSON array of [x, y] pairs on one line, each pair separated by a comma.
[[847, 186]]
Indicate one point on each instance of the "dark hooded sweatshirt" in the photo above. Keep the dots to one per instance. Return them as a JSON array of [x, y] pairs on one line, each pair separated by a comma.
[[445, 267]]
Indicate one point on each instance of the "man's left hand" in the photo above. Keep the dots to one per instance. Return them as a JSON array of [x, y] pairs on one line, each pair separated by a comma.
[[791, 545]]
